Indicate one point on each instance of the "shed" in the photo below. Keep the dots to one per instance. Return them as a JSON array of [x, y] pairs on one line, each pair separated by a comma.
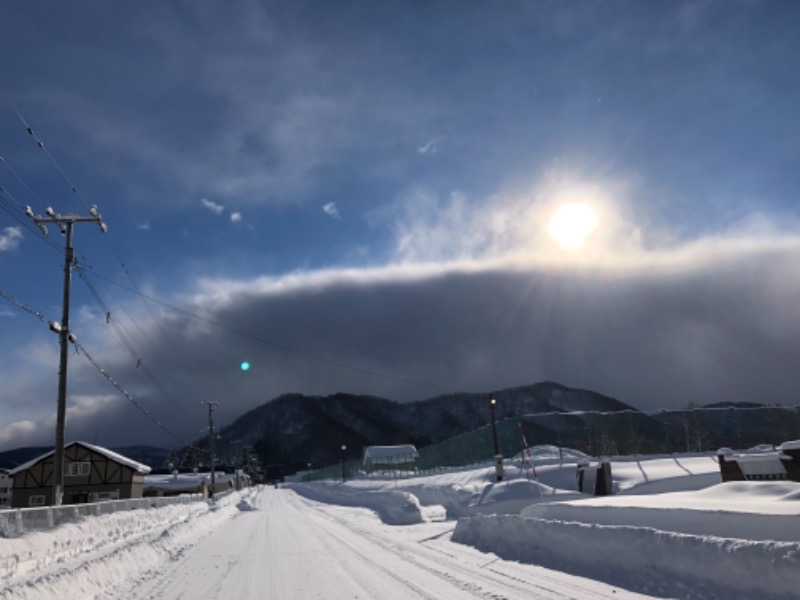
[[91, 473], [781, 463], [390, 458]]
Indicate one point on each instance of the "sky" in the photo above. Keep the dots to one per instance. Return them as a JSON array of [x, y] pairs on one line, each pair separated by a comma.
[[358, 197]]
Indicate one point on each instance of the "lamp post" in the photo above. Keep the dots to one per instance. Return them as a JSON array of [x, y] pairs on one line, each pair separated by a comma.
[[498, 458], [344, 449]]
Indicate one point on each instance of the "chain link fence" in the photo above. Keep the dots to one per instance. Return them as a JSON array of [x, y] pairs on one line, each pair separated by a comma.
[[625, 433]]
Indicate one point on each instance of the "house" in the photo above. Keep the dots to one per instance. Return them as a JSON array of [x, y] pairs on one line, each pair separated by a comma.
[[390, 458], [5, 489], [763, 465], [91, 473]]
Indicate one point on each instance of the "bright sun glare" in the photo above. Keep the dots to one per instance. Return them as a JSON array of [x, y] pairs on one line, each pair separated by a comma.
[[572, 224]]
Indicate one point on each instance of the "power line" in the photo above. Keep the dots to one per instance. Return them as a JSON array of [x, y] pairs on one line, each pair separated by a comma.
[[13, 213], [277, 345], [135, 290], [133, 401], [22, 182], [41, 146], [94, 363], [74, 189], [119, 331], [23, 306]]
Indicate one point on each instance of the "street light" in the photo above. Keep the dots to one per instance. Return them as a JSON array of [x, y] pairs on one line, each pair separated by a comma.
[[498, 458], [344, 449]]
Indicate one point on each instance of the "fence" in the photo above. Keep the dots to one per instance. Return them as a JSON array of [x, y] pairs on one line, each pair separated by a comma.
[[16, 521], [596, 433]]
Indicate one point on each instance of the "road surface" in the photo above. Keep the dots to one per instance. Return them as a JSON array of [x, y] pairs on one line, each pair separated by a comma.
[[289, 548]]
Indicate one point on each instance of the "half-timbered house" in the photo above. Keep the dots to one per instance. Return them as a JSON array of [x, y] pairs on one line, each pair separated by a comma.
[[91, 474]]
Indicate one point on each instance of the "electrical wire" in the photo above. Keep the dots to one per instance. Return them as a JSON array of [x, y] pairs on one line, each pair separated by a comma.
[[82, 350], [122, 335], [23, 306], [279, 346], [133, 401], [40, 144], [25, 222]]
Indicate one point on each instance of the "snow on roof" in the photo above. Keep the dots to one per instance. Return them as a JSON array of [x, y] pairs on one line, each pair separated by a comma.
[[404, 450], [118, 458], [136, 466], [793, 445], [188, 481]]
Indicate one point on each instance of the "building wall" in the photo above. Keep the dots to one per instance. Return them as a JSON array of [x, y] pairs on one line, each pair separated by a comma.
[[6, 483], [92, 476]]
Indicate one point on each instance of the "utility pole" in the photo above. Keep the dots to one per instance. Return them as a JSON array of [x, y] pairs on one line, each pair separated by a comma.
[[211, 407], [344, 449], [65, 223], [498, 459]]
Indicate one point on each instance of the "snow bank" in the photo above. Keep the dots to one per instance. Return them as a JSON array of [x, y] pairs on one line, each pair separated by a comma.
[[642, 559], [393, 507], [81, 559]]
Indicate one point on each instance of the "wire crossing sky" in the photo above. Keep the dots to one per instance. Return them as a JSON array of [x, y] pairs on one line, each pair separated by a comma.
[[397, 199]]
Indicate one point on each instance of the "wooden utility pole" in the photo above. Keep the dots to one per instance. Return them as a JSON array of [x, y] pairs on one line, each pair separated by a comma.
[[65, 223]]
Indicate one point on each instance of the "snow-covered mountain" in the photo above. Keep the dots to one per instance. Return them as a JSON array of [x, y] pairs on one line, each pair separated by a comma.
[[296, 430]]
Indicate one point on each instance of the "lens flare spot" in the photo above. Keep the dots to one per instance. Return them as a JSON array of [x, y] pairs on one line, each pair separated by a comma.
[[245, 366]]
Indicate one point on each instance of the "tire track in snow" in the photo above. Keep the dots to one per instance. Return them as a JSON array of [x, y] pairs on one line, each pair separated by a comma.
[[449, 566]]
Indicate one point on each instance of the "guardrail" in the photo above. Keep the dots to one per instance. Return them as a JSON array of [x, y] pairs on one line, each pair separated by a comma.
[[16, 521]]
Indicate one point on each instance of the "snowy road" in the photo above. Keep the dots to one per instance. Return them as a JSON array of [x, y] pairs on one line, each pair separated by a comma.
[[291, 547]]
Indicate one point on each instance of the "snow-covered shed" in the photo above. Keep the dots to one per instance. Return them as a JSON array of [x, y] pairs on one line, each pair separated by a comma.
[[91, 473], [390, 458], [759, 465], [174, 484]]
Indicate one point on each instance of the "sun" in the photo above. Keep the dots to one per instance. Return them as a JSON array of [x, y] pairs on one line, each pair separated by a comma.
[[572, 224]]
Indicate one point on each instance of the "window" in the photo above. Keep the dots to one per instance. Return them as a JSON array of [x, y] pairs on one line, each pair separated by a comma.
[[36, 501], [76, 469]]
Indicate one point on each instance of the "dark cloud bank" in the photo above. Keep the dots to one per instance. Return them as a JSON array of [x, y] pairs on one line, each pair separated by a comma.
[[726, 331]]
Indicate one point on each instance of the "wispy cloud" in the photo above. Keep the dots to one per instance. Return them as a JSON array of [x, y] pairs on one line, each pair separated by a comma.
[[431, 146], [215, 208], [145, 226], [10, 238], [331, 210], [236, 217]]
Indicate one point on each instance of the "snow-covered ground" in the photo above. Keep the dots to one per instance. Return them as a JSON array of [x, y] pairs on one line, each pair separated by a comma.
[[671, 530]]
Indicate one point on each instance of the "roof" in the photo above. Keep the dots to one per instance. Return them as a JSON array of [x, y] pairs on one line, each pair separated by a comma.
[[187, 481], [403, 450], [113, 456]]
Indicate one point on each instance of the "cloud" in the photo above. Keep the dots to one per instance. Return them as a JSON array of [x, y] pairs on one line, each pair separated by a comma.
[[215, 208], [144, 226], [331, 210], [236, 217], [429, 227], [10, 238], [703, 322], [431, 146], [21, 433]]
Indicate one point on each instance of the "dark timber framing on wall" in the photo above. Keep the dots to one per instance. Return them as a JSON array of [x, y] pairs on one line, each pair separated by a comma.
[[91, 473]]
